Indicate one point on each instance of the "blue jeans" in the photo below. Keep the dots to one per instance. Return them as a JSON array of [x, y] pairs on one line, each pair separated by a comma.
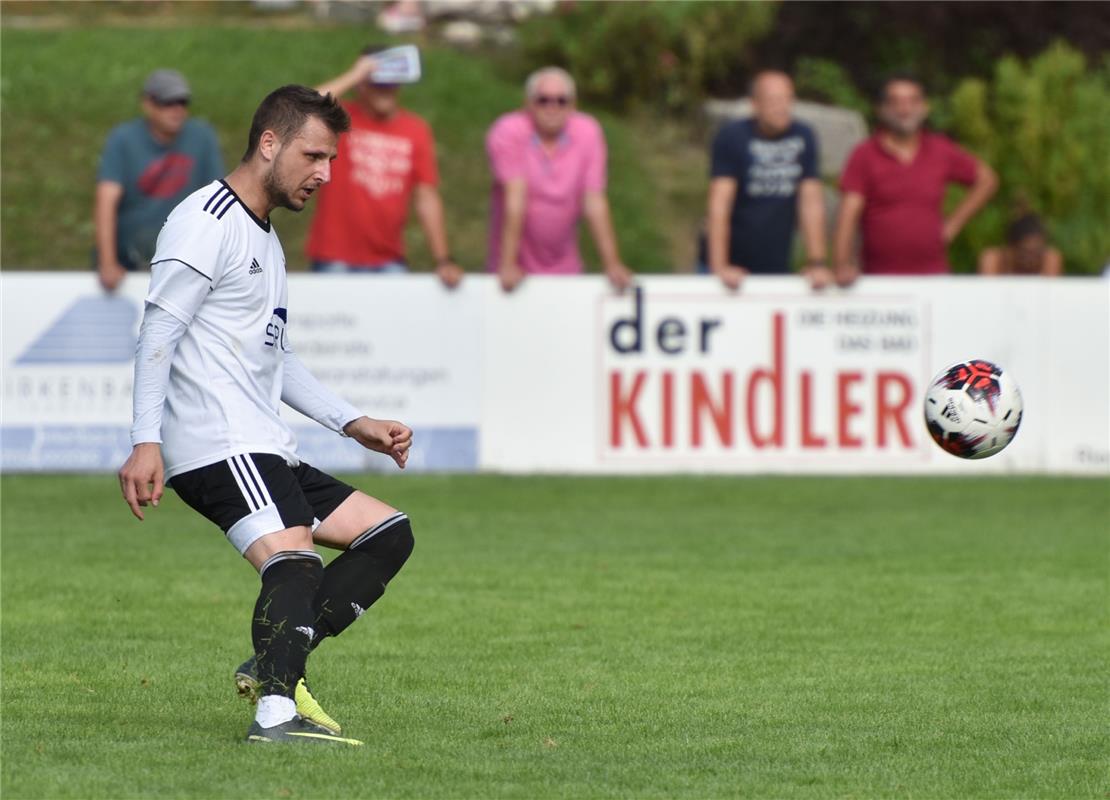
[[342, 267]]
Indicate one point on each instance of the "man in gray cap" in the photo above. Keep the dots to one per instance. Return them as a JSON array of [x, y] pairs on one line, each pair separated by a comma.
[[149, 165]]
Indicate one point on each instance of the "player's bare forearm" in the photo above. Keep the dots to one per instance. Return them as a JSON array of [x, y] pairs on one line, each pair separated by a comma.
[[387, 436], [141, 477]]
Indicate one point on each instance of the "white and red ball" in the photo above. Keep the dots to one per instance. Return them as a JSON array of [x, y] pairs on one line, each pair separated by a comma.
[[973, 409]]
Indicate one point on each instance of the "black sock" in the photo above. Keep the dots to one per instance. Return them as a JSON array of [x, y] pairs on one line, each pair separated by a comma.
[[356, 579], [282, 628]]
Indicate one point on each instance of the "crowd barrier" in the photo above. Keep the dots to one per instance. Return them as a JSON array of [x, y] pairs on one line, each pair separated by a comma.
[[567, 376]]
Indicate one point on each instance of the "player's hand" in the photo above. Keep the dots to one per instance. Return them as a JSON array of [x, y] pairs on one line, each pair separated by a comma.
[[846, 274], [140, 477], [731, 276], [450, 273], [820, 277], [111, 275], [382, 436], [620, 276], [510, 276]]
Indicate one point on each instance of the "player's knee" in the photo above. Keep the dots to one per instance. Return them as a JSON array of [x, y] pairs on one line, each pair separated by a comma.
[[404, 542], [395, 545], [391, 542]]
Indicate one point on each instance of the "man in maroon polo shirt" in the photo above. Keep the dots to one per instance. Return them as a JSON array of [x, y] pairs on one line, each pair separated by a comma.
[[893, 189]]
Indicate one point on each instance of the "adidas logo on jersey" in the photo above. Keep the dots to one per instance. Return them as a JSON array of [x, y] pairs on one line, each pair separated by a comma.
[[256, 268]]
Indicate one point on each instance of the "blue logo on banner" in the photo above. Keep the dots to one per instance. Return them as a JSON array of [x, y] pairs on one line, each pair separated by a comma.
[[94, 330]]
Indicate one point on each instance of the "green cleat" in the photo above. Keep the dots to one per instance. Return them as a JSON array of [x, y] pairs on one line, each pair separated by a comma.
[[247, 684], [296, 731], [308, 708]]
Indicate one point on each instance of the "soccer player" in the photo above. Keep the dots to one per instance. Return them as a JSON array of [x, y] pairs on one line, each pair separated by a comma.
[[213, 364]]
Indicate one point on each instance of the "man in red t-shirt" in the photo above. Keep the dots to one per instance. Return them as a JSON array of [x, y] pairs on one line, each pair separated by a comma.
[[893, 189], [386, 160]]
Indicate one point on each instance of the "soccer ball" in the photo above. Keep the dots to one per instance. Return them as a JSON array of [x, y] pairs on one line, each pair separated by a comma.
[[973, 409]]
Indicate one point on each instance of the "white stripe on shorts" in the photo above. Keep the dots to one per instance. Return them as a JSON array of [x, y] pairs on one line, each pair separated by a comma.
[[260, 485], [239, 477]]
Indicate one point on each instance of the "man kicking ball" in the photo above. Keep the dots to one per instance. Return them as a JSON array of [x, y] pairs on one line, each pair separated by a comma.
[[213, 364]]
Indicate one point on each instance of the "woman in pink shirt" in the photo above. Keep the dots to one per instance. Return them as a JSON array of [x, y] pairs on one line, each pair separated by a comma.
[[549, 168]]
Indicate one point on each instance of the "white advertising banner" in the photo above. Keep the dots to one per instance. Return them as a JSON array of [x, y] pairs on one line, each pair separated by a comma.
[[683, 376], [565, 375], [402, 346]]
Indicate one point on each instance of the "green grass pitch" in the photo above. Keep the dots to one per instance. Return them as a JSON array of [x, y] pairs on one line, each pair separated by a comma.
[[575, 638]]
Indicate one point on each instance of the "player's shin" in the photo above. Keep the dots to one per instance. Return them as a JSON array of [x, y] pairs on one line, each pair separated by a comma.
[[356, 579], [282, 629]]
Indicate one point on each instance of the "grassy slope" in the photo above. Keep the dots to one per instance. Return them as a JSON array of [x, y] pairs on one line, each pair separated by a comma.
[[676, 637], [63, 90]]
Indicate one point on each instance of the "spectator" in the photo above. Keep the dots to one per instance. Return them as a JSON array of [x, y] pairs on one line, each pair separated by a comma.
[[386, 161], [764, 177], [1026, 252], [549, 167], [149, 165], [893, 187]]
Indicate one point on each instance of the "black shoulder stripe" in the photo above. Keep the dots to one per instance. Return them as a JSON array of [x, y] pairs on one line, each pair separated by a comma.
[[220, 208], [221, 193], [186, 263], [219, 212], [263, 224]]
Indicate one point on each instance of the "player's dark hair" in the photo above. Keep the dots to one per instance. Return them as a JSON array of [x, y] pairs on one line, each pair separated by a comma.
[[897, 77], [285, 111], [1025, 225]]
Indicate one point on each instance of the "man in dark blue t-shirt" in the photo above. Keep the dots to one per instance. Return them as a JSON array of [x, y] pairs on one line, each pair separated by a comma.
[[764, 177]]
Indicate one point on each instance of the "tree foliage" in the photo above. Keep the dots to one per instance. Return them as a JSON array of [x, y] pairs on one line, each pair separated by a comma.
[[1044, 125], [656, 56]]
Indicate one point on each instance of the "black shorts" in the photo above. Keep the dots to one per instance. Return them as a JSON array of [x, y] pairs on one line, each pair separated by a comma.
[[253, 494]]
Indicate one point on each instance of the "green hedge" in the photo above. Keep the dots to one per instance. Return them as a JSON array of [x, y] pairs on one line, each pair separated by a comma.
[[654, 56], [1045, 127]]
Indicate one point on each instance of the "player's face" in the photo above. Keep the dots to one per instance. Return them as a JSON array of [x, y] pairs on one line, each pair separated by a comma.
[[904, 108], [773, 102], [302, 165], [550, 106]]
